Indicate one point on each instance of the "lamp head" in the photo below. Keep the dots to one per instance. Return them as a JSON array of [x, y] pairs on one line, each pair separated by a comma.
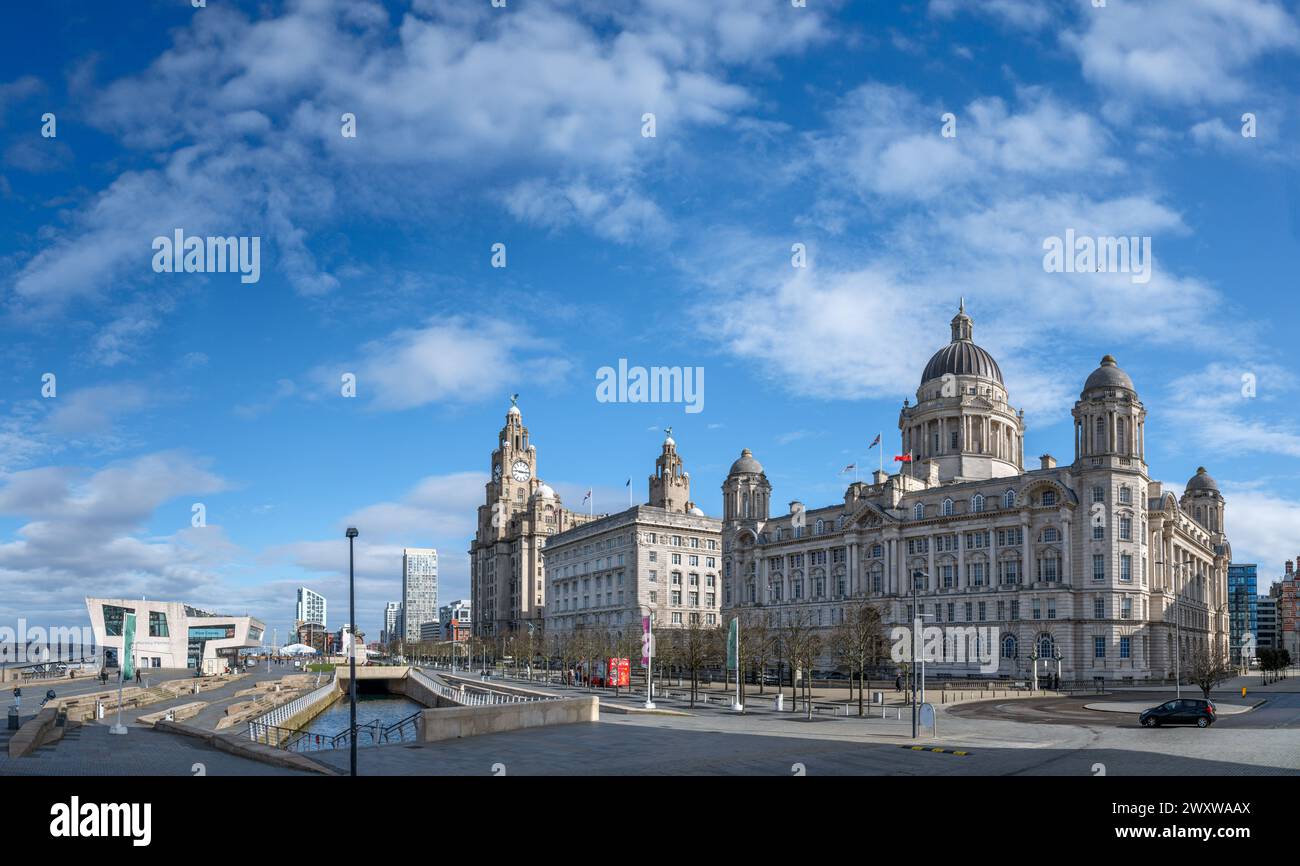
[[352, 532]]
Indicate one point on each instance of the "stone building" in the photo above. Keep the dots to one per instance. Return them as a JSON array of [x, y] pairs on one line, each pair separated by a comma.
[[507, 585], [1091, 560], [661, 557]]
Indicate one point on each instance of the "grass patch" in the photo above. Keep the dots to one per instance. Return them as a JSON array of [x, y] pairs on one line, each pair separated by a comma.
[[320, 667]]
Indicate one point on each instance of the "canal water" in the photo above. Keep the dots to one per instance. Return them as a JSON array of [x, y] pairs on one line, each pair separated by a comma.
[[384, 707]]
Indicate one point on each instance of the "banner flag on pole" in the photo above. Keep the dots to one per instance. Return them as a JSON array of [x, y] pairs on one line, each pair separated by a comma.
[[733, 644], [128, 646]]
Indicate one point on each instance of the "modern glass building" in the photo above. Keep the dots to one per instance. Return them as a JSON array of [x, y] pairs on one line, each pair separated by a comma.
[[172, 634], [311, 606], [419, 589], [1243, 611]]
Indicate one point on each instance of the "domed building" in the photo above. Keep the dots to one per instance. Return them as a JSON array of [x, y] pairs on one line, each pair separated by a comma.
[[1078, 571]]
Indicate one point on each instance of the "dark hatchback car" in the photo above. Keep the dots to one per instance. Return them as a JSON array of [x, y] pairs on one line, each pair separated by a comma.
[[1186, 711]]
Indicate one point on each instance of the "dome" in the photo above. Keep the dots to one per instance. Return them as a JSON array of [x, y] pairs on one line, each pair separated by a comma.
[[546, 492], [668, 440], [697, 512], [1108, 375], [1202, 481], [746, 463], [962, 357]]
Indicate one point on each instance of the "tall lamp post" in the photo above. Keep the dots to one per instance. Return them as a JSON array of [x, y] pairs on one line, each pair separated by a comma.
[[352, 651], [916, 628]]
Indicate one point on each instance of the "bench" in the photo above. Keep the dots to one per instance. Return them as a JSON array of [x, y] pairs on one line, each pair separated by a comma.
[[832, 708]]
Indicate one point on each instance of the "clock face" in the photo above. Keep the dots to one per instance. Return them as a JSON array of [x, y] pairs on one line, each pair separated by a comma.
[[519, 471], [496, 472]]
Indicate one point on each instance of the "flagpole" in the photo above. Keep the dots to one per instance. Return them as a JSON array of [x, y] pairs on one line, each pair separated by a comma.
[[881, 446]]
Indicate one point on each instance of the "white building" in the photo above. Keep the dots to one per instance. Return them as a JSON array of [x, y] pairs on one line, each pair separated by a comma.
[[419, 589], [171, 634], [1092, 560], [392, 611], [663, 557], [311, 607]]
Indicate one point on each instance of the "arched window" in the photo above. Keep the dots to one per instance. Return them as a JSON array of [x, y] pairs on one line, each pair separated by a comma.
[[1049, 497], [1009, 646], [821, 526], [977, 502], [1122, 435], [1009, 499], [1100, 444], [1045, 646], [947, 508], [918, 511]]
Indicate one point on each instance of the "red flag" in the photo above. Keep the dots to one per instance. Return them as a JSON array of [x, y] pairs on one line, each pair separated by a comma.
[[902, 458]]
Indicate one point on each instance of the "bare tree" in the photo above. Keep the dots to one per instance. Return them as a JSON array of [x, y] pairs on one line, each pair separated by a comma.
[[700, 647], [801, 644], [1207, 669], [758, 644], [858, 642]]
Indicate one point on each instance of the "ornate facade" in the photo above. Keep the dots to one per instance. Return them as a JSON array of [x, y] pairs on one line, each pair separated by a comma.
[[507, 583], [1092, 561], [662, 558]]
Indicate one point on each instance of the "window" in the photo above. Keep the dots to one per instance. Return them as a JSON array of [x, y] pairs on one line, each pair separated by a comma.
[[918, 511], [1038, 609], [1048, 497], [977, 503], [1009, 499], [158, 624], [114, 619], [1050, 535], [1099, 608], [676, 558], [1047, 569], [1125, 495], [1051, 608], [947, 508], [876, 551], [1008, 646], [946, 575], [1126, 568], [1126, 609], [952, 441], [1098, 531], [1099, 647], [677, 597], [1099, 494], [1099, 566], [1126, 529], [654, 556], [1124, 647], [975, 571]]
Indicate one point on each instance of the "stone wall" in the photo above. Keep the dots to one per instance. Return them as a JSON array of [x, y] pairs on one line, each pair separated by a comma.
[[452, 722]]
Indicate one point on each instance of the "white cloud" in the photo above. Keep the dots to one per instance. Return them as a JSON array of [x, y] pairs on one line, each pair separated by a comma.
[[243, 119], [450, 360], [1181, 52], [85, 533], [1020, 14], [1262, 529], [1210, 407]]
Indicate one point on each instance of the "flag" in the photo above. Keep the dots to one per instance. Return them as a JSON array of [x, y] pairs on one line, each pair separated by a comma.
[[629, 483], [849, 468], [588, 496], [874, 442], [733, 644], [647, 642], [902, 458], [128, 646]]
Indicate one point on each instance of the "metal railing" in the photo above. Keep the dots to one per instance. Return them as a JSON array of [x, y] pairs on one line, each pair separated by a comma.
[[373, 733], [267, 728], [474, 696]]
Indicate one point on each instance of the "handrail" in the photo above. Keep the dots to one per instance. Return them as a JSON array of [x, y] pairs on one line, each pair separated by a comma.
[[260, 729]]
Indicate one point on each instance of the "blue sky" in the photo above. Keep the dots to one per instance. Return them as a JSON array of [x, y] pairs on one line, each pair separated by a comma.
[[775, 125]]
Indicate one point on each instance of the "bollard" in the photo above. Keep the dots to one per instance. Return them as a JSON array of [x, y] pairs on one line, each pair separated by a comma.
[[61, 718], [778, 703], [13, 719]]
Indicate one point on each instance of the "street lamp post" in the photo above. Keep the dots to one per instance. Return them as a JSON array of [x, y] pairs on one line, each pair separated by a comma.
[[649, 654], [916, 628], [352, 652]]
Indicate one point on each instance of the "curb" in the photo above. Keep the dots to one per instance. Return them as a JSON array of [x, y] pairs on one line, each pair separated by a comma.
[[254, 751]]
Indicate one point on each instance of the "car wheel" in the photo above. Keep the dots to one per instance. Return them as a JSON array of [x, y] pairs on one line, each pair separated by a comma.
[[1146, 723], [1202, 722], [1155, 722]]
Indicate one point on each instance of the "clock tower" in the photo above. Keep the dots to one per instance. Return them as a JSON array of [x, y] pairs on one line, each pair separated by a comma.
[[519, 513]]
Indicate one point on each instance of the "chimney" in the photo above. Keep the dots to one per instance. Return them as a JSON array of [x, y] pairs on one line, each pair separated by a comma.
[[879, 476], [1047, 461], [1288, 568]]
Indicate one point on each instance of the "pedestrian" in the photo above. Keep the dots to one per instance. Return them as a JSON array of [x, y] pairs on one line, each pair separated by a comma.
[[137, 676], [898, 683]]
